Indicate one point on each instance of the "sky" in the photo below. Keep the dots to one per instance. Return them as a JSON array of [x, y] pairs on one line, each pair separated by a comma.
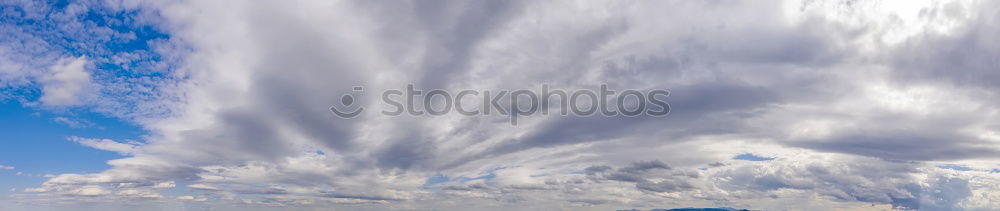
[[774, 105]]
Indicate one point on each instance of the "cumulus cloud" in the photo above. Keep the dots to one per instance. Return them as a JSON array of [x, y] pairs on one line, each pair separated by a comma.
[[67, 82], [834, 107], [132, 193]]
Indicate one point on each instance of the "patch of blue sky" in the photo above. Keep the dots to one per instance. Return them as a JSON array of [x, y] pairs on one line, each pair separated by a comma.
[[751, 157], [441, 178], [955, 167], [35, 144], [436, 179]]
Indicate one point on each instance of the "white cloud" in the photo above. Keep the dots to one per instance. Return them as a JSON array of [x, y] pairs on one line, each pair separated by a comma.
[[143, 194], [67, 83], [107, 145], [89, 190], [192, 198], [74, 122], [203, 187], [3, 167], [11, 71]]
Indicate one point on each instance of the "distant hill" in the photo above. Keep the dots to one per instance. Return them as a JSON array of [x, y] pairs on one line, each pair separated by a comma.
[[694, 209]]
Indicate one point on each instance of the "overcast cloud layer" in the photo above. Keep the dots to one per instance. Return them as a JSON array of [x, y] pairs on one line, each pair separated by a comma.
[[814, 105]]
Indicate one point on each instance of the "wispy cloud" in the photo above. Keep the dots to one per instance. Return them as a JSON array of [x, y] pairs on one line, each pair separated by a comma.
[[75, 122], [107, 145]]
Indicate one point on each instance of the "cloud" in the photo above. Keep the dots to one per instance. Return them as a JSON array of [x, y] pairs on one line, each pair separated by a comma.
[[203, 187], [66, 83], [132, 193], [86, 54], [162, 185], [191, 198], [864, 180], [908, 145], [641, 173], [74, 123], [934, 57], [88, 191], [850, 109], [3, 167], [107, 145]]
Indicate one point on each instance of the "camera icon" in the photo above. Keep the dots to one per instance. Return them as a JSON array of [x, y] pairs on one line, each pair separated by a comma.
[[347, 103]]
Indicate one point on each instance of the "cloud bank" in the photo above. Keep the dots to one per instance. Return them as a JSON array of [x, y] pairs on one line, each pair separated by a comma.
[[838, 104]]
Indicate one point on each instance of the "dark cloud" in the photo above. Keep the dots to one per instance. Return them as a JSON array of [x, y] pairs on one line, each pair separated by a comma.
[[654, 176], [966, 56], [904, 145]]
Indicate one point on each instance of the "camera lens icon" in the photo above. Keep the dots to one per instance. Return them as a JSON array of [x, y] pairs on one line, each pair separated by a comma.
[[347, 108]]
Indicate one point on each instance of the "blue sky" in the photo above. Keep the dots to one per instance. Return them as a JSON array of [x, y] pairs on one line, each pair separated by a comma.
[[813, 105], [37, 145]]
